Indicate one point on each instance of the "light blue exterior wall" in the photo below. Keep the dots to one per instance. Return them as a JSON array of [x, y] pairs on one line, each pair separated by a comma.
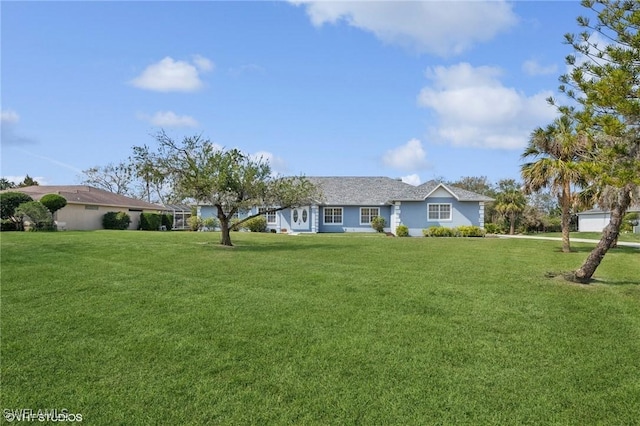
[[351, 219], [415, 214], [211, 211], [283, 217]]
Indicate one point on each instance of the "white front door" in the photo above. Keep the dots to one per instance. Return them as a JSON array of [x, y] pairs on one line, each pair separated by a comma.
[[300, 219]]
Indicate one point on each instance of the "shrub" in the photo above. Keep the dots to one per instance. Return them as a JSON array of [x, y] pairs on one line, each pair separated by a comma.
[[629, 221], [210, 223], [439, 231], [167, 221], [256, 224], [116, 220], [150, 221], [40, 217], [233, 224], [402, 231], [471, 231], [53, 202], [378, 223], [154, 221], [553, 224], [9, 202], [492, 228], [8, 225], [194, 222]]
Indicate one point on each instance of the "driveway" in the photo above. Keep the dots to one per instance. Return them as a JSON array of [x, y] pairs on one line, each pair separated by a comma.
[[573, 240]]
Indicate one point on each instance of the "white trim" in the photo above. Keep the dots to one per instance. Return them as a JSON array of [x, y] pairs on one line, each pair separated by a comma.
[[301, 225], [315, 218], [443, 186], [440, 219], [395, 216], [266, 215], [324, 222], [370, 216]]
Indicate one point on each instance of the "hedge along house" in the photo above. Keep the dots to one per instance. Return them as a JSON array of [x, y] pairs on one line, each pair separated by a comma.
[[349, 204], [87, 205]]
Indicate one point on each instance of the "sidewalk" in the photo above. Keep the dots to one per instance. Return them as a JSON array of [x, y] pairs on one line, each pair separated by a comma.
[[573, 240]]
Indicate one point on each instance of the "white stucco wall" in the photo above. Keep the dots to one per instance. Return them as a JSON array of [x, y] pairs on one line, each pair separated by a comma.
[[593, 222], [80, 218]]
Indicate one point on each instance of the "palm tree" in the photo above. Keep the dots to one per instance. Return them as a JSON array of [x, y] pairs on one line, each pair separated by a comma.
[[557, 150], [510, 202]]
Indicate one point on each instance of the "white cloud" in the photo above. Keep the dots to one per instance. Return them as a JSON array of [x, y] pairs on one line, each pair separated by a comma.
[[413, 179], [474, 108], [278, 165], [245, 69], [173, 76], [18, 179], [410, 156], [8, 136], [202, 63], [8, 116], [169, 119], [441, 27], [532, 67]]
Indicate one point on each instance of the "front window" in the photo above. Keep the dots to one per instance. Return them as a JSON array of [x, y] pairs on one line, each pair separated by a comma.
[[439, 211], [271, 216], [333, 215], [368, 213]]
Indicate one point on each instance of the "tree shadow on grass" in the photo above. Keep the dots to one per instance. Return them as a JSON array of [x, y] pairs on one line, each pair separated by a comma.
[[268, 247], [589, 249], [566, 278]]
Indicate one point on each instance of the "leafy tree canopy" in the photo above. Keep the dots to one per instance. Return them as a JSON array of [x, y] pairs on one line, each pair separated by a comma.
[[6, 184], [113, 178], [604, 83], [9, 201], [36, 212], [53, 202], [228, 179], [28, 181]]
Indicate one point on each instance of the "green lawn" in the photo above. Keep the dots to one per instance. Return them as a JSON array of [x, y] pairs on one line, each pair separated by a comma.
[[169, 328], [627, 236]]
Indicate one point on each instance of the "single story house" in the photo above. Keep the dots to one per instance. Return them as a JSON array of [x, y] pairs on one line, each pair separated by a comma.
[[87, 205], [595, 220], [349, 203]]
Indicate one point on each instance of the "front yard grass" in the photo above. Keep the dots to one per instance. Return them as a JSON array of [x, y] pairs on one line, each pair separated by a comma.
[[624, 236], [169, 328]]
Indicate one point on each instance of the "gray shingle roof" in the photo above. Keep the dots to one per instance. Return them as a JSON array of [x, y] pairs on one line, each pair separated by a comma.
[[631, 209], [461, 194], [377, 190], [83, 194]]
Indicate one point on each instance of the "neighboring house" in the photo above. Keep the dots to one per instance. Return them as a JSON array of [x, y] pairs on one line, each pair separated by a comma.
[[87, 205], [349, 204], [181, 214], [595, 220]]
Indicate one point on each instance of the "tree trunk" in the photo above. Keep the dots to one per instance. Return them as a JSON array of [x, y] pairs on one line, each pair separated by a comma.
[[225, 237], [608, 240], [512, 224], [566, 217], [225, 234]]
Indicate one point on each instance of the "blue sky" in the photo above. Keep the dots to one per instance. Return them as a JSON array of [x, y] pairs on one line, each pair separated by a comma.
[[417, 90]]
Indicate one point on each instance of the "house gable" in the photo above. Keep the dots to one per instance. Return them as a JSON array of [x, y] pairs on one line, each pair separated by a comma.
[[441, 191]]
